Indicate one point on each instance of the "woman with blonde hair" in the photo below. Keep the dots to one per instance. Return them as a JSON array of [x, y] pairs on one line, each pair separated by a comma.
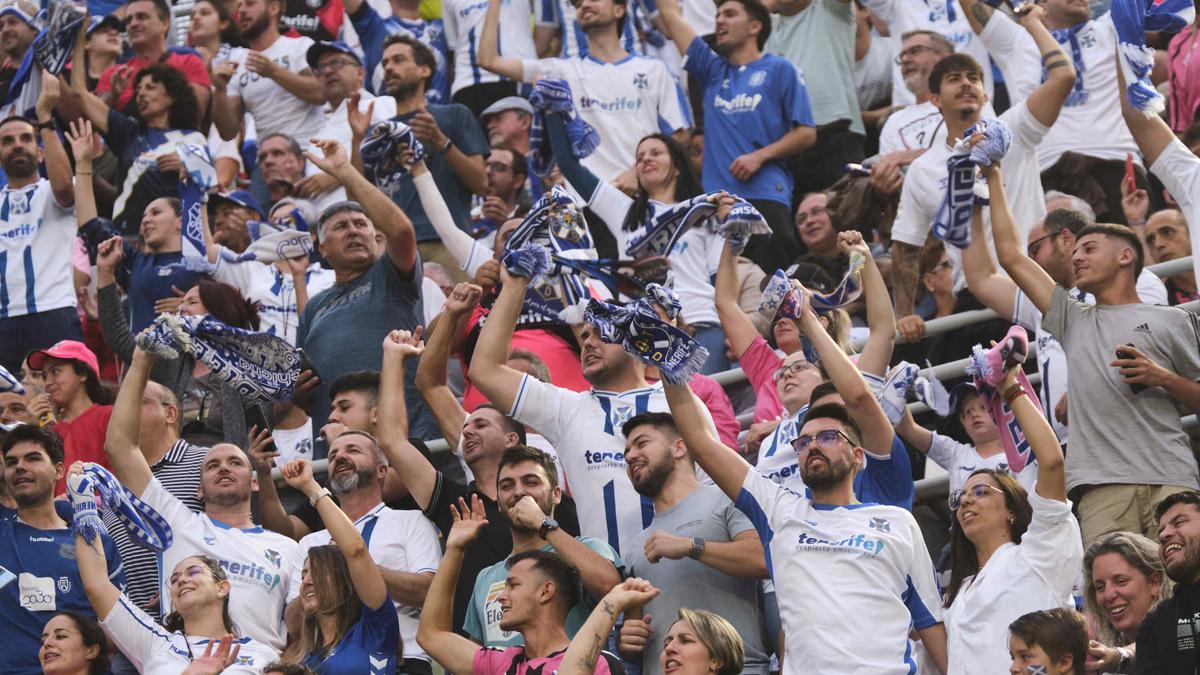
[[1123, 580]]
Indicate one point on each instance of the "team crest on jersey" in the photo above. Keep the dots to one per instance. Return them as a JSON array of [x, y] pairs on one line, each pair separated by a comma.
[[881, 524], [273, 557], [64, 584], [620, 416], [757, 78], [245, 660], [640, 81], [210, 541], [18, 203]]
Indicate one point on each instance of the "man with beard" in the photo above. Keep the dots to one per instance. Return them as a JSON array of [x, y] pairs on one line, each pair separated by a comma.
[[913, 128], [256, 560], [37, 222], [403, 543], [527, 492], [16, 36], [834, 560], [37, 545], [272, 80], [699, 551], [1166, 643], [454, 144], [147, 23]]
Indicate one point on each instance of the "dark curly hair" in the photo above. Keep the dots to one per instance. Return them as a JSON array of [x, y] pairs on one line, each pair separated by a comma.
[[91, 635], [184, 112], [226, 304]]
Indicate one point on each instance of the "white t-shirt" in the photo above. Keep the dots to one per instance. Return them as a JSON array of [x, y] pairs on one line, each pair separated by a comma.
[[36, 265], [292, 444], [624, 100], [873, 73], [256, 560], [274, 292], [337, 128], [777, 459], [463, 22], [961, 460], [925, 188], [154, 651], [1092, 127], [402, 541], [1036, 574], [844, 565], [274, 108], [585, 429], [1179, 170], [942, 16], [432, 299], [693, 259], [1052, 360], [917, 126]]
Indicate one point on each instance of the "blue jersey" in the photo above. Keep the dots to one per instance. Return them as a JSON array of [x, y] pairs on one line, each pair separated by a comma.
[[747, 108], [372, 29], [368, 648], [39, 578]]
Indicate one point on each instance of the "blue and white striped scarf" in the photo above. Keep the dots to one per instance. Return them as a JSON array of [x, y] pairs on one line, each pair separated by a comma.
[[743, 222], [638, 328], [55, 44], [554, 96], [953, 221], [10, 383], [198, 177], [659, 236], [261, 367], [1132, 19], [904, 380], [781, 298], [1070, 37], [145, 525], [383, 163]]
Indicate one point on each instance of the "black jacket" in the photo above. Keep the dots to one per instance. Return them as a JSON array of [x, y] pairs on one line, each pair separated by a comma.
[[1167, 641]]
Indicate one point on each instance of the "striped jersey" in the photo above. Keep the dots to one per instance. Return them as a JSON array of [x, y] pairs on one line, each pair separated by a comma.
[[35, 265]]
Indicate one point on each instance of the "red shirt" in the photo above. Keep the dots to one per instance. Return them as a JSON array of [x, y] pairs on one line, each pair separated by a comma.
[[83, 439], [187, 61]]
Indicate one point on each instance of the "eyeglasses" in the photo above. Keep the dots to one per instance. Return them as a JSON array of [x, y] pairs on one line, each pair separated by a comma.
[[912, 52], [334, 64], [803, 216], [1032, 247], [500, 166], [824, 439], [977, 491], [794, 368]]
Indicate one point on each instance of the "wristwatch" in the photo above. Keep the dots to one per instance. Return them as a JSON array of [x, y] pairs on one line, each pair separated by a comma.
[[446, 146], [48, 125], [319, 495], [547, 524], [697, 548], [1125, 665]]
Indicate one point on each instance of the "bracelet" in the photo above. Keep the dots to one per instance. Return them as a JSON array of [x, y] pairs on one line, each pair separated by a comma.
[[83, 173], [323, 493], [1125, 663], [449, 142], [1013, 392]]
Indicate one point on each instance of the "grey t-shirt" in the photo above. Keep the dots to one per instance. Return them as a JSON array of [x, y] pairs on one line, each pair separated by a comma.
[[1118, 436], [819, 40], [706, 513]]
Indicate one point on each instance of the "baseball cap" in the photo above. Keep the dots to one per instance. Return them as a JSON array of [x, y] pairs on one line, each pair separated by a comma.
[[319, 48], [239, 198], [24, 9], [65, 350], [507, 103], [959, 394], [107, 20]]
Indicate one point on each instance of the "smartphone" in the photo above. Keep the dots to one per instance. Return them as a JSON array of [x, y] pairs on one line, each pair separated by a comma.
[[257, 417], [306, 363], [1123, 353]]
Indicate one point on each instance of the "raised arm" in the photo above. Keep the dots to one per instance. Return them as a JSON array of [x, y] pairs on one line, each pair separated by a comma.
[[58, 167], [722, 464], [1150, 132], [457, 242], [92, 106], [489, 363], [584, 651], [121, 442], [1028, 275], [881, 320], [994, 290], [383, 212], [597, 573], [584, 181], [739, 329], [261, 452], [102, 594], [488, 53], [431, 372], [80, 137], [303, 85], [226, 110], [1051, 475], [436, 634], [914, 434], [681, 31], [410, 465], [364, 574], [1047, 100]]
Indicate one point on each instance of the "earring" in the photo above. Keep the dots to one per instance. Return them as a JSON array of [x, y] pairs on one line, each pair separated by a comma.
[[1011, 520]]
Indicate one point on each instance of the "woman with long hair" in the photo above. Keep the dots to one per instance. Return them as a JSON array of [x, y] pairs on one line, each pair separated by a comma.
[[145, 144], [698, 642], [199, 591], [1011, 552], [350, 624], [73, 644], [1124, 579]]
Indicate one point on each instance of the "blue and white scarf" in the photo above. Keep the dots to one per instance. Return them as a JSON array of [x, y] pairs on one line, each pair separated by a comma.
[[554, 96], [10, 383], [781, 298], [637, 328], [903, 381], [55, 44], [381, 151], [953, 222], [1070, 38], [1132, 18], [198, 177], [145, 525], [743, 222], [261, 367], [659, 236]]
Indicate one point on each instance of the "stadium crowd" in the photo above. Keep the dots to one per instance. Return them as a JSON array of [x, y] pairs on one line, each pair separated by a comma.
[[599, 336]]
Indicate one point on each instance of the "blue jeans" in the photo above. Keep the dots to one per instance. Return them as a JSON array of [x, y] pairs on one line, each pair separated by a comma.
[[712, 336], [20, 335]]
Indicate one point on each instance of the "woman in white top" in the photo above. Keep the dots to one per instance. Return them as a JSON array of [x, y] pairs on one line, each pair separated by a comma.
[[1011, 552], [200, 597]]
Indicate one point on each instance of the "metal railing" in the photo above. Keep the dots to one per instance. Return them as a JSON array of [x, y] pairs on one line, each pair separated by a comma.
[[927, 488]]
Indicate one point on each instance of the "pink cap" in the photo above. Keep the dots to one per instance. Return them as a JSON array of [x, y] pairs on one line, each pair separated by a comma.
[[65, 350]]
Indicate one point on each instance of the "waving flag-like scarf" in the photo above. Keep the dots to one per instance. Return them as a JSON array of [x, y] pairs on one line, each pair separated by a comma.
[[554, 96], [1070, 36], [742, 222], [1132, 18], [10, 383], [893, 391], [261, 367], [637, 328], [198, 177], [658, 237], [383, 163], [781, 298], [988, 368], [953, 222], [54, 45], [145, 525]]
